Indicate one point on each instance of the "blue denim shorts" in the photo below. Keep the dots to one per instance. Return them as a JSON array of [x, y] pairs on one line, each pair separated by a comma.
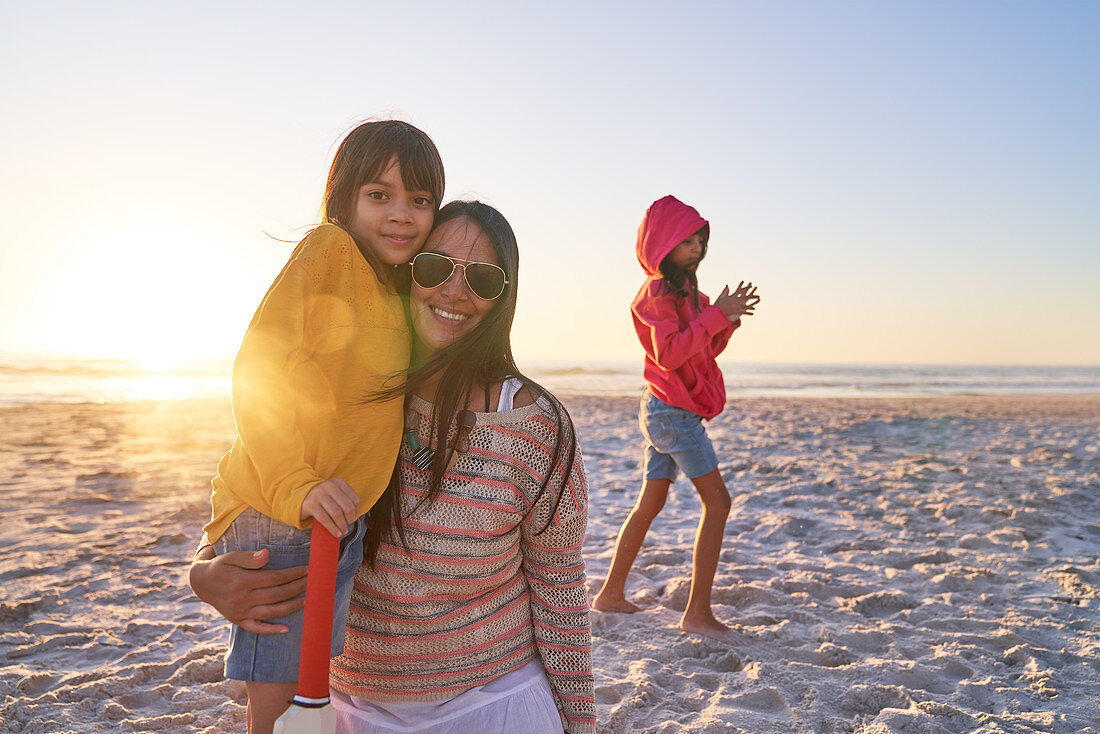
[[274, 658], [674, 437]]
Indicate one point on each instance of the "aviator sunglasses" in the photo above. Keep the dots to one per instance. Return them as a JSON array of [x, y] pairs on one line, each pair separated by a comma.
[[485, 280]]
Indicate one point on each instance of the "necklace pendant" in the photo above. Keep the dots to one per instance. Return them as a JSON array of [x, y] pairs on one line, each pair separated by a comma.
[[466, 422], [422, 458]]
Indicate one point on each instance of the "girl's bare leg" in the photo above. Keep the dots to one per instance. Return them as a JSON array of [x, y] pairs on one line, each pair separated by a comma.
[[612, 597], [266, 703], [698, 616]]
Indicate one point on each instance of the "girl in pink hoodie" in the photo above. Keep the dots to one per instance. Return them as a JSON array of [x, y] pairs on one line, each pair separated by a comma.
[[681, 332]]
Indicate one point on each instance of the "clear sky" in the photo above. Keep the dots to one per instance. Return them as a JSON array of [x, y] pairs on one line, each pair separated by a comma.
[[904, 181]]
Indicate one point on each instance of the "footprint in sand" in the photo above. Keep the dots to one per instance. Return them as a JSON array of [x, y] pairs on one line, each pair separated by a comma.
[[721, 634], [827, 655], [74, 639], [879, 604], [767, 700], [862, 699], [36, 683], [610, 694]]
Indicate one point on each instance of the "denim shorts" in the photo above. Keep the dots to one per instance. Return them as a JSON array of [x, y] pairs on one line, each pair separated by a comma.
[[274, 658], [674, 437]]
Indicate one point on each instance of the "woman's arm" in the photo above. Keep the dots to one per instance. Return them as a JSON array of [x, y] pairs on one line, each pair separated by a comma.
[[237, 587], [554, 568]]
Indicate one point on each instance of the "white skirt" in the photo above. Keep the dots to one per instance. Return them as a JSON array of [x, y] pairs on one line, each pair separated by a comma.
[[519, 702]]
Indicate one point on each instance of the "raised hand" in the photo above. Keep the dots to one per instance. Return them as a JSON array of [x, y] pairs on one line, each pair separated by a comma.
[[742, 302]]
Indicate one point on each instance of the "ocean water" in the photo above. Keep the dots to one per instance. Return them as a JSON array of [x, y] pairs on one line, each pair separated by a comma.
[[839, 380], [25, 380]]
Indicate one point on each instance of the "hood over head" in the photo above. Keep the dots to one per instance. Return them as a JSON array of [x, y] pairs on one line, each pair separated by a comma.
[[667, 223]]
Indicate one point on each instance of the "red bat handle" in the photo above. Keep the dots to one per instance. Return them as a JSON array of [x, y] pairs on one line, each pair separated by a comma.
[[324, 552]]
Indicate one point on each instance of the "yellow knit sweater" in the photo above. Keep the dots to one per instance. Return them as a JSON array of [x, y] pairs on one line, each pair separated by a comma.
[[326, 336]]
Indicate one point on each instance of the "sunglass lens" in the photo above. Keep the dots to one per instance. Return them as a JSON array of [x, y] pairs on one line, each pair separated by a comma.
[[486, 281], [430, 270]]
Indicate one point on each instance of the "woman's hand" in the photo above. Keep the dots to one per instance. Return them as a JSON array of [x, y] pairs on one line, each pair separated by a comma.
[[742, 302], [235, 585]]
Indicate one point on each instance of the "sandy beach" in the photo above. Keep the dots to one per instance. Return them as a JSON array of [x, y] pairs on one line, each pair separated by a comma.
[[916, 566]]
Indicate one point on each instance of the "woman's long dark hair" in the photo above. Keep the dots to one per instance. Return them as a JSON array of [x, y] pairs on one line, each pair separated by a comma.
[[681, 281], [478, 359]]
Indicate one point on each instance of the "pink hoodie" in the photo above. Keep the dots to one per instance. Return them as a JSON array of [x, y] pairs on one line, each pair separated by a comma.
[[680, 341]]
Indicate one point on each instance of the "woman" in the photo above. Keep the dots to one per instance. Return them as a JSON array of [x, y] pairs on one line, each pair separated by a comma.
[[470, 612]]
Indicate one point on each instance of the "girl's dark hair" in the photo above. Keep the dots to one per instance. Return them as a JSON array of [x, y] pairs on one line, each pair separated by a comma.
[[363, 156], [684, 282], [479, 358]]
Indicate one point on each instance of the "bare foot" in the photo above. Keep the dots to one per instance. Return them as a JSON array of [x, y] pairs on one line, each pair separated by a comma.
[[607, 603], [710, 627]]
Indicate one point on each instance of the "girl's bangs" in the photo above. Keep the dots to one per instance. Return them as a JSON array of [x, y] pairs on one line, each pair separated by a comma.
[[420, 169]]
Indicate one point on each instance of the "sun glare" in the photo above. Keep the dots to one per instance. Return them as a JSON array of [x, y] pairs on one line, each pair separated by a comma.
[[148, 294], [160, 387], [158, 364]]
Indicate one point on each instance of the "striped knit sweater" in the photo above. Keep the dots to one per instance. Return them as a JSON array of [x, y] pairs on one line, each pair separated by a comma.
[[479, 592]]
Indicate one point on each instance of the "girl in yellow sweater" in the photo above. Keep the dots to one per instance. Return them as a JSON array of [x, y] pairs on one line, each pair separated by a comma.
[[329, 333]]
